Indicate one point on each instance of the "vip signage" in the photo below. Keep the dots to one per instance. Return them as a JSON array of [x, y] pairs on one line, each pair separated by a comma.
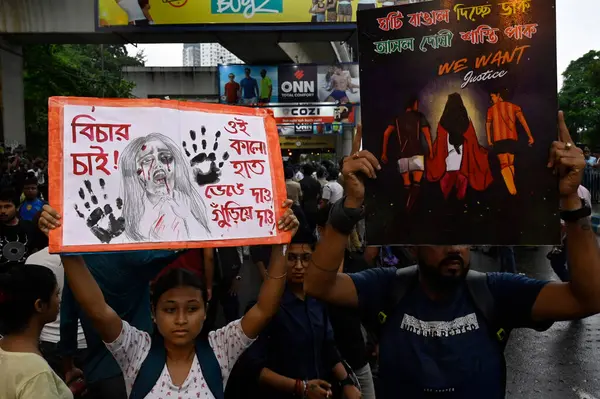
[[304, 115], [297, 83]]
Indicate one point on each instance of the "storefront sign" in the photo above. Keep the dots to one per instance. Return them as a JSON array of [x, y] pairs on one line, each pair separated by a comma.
[[296, 115], [298, 83], [306, 142]]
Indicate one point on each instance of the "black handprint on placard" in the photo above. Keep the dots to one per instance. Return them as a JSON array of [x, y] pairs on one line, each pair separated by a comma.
[[101, 219], [204, 163]]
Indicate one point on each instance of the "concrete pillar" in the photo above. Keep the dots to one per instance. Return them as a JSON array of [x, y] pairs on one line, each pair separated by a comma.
[[347, 136], [13, 96]]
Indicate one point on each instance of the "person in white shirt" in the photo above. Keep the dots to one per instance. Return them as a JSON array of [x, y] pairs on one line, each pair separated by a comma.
[[50, 335], [332, 191]]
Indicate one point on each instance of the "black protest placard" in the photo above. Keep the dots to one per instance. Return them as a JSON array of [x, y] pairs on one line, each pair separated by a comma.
[[297, 83], [459, 102]]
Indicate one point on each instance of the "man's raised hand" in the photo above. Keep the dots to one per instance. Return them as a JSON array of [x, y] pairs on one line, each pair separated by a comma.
[[356, 167]]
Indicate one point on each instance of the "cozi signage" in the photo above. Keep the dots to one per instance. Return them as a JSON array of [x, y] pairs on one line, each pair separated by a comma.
[[303, 115], [298, 83]]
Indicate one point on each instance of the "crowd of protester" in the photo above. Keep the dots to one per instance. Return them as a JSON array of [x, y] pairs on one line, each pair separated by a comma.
[[334, 318]]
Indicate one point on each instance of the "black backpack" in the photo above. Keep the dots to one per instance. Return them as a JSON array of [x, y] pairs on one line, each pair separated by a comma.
[[407, 278]]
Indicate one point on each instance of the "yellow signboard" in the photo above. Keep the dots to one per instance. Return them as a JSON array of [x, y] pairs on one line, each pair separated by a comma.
[[180, 12]]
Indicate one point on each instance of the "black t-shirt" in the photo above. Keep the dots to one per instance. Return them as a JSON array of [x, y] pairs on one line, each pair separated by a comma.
[[410, 125], [18, 242]]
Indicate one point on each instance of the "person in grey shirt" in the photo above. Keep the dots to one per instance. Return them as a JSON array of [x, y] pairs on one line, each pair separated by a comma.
[[294, 191]]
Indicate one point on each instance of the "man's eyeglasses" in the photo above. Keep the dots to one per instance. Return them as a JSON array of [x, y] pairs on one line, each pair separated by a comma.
[[303, 258]]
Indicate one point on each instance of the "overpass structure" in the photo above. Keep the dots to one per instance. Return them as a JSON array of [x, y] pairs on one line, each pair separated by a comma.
[[74, 21], [202, 84]]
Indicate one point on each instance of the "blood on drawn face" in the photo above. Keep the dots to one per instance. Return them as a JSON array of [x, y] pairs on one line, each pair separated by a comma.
[[155, 168]]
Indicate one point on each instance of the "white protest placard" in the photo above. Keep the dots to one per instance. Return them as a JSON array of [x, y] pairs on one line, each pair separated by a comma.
[[155, 174]]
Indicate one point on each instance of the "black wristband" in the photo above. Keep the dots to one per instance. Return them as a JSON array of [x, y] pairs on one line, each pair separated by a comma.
[[347, 381], [578, 214], [344, 219]]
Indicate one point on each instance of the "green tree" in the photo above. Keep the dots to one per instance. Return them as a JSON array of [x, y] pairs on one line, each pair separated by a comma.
[[84, 70], [580, 98]]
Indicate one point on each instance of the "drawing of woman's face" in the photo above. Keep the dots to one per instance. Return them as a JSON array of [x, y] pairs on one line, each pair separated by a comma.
[[155, 167]]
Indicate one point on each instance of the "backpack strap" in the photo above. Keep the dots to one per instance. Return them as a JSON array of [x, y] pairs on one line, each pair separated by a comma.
[[157, 358], [404, 280], [151, 369], [479, 289], [485, 302], [211, 369]]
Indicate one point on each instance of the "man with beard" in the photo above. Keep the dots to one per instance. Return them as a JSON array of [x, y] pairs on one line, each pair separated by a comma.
[[18, 238], [436, 340]]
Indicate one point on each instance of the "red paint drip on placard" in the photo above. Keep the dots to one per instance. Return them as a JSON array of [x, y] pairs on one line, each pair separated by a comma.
[[150, 168], [159, 222]]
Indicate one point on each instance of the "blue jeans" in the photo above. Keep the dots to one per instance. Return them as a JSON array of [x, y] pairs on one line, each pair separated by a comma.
[[507, 259]]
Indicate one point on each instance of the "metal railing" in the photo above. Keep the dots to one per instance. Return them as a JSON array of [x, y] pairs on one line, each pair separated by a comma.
[[591, 181]]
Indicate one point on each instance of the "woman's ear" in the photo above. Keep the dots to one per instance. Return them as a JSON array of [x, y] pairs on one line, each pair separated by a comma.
[[39, 306]]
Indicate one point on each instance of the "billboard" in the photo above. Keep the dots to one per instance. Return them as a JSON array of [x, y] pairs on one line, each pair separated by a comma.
[[246, 84], [145, 13], [296, 83]]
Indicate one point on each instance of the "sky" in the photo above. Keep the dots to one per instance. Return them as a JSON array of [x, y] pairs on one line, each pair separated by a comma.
[[577, 33]]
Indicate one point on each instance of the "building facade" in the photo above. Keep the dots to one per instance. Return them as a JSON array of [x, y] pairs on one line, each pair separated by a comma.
[[191, 55]]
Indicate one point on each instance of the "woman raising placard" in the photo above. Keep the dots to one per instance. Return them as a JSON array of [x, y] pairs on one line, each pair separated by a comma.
[[175, 361]]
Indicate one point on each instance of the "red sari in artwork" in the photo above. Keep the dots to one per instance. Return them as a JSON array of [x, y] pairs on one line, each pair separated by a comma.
[[474, 167]]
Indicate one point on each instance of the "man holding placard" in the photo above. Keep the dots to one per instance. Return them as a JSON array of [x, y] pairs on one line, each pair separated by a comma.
[[444, 326]]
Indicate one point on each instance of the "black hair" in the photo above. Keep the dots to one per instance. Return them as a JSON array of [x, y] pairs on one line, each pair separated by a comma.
[[247, 70], [321, 172], [20, 287], [341, 162], [332, 174], [177, 277], [288, 172], [304, 235], [9, 195], [30, 181], [455, 120], [502, 91], [411, 101], [308, 170]]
